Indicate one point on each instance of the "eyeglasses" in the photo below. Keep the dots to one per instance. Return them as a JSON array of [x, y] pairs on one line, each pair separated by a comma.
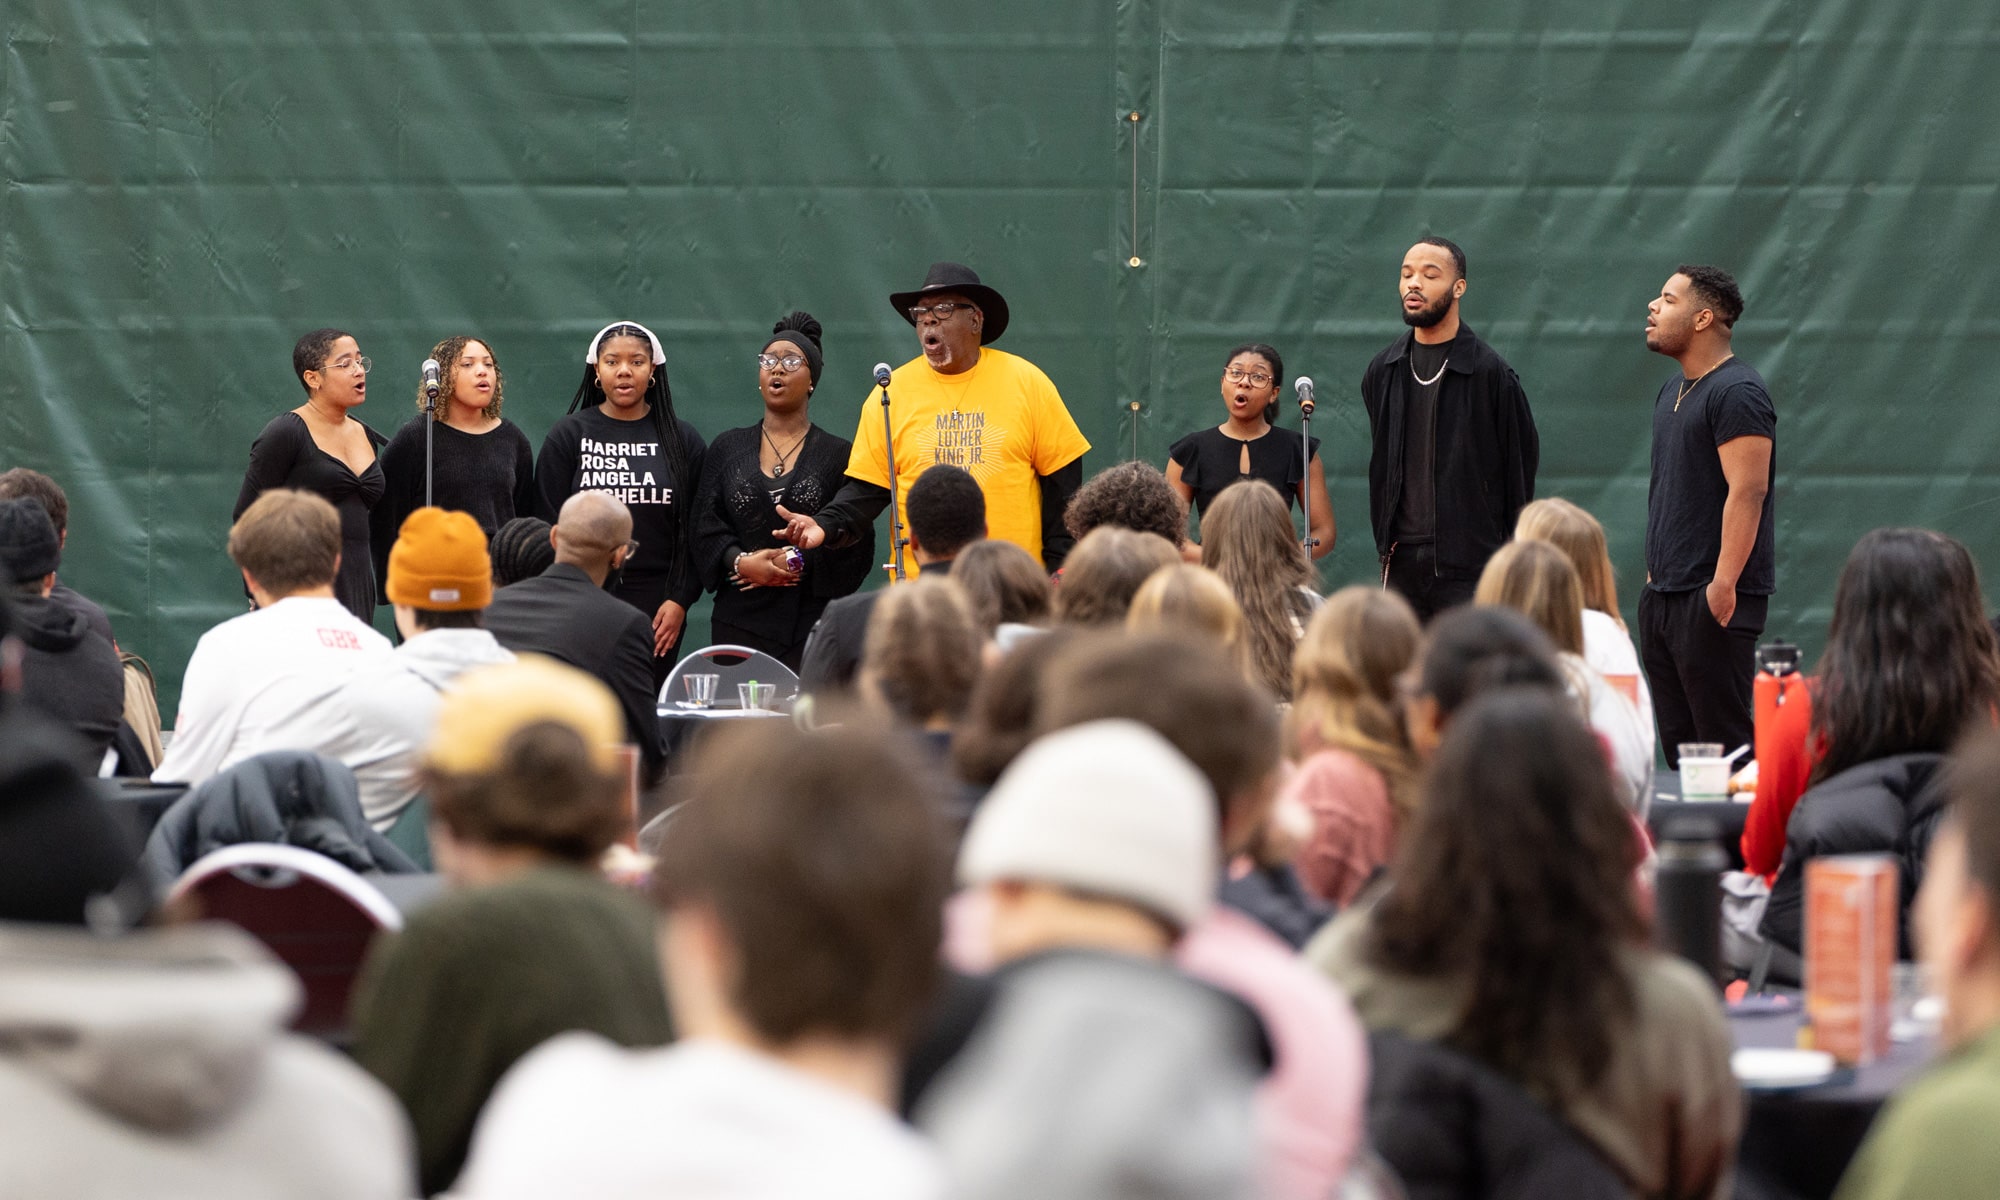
[[631, 547], [348, 364], [941, 311], [787, 364], [1239, 375]]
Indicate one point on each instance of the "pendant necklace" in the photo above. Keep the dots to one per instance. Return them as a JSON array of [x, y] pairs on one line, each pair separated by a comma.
[[781, 454]]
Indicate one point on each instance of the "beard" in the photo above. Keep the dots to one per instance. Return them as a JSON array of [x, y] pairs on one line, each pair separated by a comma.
[[1430, 314], [1669, 342]]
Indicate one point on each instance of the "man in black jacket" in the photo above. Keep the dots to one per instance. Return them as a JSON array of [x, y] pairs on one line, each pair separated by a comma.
[[566, 614], [71, 674], [1454, 445]]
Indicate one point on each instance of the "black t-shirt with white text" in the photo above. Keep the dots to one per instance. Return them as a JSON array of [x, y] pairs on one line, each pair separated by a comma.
[[1684, 502], [589, 451]]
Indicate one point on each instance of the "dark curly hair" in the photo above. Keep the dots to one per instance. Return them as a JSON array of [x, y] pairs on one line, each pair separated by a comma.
[[310, 352], [1716, 289], [446, 354], [1131, 495]]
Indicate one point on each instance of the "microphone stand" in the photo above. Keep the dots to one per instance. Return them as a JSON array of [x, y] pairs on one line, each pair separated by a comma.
[[896, 538], [430, 414], [1310, 542]]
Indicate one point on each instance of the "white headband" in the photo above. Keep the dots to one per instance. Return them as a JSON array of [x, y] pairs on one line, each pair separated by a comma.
[[659, 355]]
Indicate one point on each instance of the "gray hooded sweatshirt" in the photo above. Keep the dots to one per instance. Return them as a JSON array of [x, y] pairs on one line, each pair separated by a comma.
[[157, 1065]]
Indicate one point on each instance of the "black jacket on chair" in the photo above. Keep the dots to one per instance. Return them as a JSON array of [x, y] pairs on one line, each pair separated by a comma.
[[1889, 806], [1455, 1129], [562, 614], [289, 797]]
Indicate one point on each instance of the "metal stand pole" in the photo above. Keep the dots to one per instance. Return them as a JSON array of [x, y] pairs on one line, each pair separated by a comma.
[[430, 413], [1310, 542], [896, 539]]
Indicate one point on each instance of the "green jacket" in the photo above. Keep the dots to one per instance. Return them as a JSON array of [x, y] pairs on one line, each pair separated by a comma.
[[1935, 1141]]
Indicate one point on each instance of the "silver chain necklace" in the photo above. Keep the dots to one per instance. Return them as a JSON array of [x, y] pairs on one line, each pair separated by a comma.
[[1421, 381]]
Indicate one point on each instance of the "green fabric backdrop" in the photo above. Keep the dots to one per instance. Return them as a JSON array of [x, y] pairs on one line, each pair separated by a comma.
[[191, 184]]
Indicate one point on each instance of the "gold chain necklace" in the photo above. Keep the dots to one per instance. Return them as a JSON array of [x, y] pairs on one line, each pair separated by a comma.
[[1691, 384]]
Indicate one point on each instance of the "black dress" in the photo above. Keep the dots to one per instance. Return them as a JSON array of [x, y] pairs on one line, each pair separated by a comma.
[[489, 476], [285, 456], [1212, 460], [736, 511]]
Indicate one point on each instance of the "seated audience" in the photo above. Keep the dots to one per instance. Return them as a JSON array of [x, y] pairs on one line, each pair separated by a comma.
[[921, 658], [1536, 580], [522, 773], [1935, 1139], [1088, 1066], [944, 513], [1607, 644], [1357, 773], [1466, 652], [1909, 662], [1247, 538], [1509, 933], [22, 483], [68, 672], [1000, 718], [439, 580], [1191, 599], [1008, 590], [1134, 496], [521, 550], [1104, 572], [1187, 691], [157, 1064], [566, 614], [799, 934], [261, 681]]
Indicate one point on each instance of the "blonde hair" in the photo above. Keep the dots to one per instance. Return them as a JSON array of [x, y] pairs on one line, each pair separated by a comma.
[[1536, 580], [1247, 538], [1580, 537], [1344, 685], [1190, 599]]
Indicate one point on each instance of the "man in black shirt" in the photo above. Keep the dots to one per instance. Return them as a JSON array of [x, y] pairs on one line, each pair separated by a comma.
[[1454, 445], [1710, 561]]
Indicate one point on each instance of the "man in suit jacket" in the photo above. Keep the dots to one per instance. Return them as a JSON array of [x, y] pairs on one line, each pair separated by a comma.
[[947, 513], [566, 614]]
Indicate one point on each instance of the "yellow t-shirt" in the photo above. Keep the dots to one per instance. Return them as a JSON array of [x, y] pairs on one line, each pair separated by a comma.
[[1003, 421]]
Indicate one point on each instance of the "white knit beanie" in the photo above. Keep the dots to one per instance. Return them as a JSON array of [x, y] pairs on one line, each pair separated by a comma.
[[1108, 807]]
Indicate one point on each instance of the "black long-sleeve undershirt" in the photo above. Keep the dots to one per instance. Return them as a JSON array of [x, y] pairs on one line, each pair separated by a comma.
[[858, 503]]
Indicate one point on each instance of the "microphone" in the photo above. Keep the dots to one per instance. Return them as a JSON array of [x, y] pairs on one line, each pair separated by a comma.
[[431, 372], [1303, 385], [881, 375]]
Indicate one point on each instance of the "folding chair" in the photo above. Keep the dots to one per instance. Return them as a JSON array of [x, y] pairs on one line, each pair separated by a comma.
[[732, 665]]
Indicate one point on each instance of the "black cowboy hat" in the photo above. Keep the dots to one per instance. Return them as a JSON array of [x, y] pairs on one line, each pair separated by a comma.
[[957, 277]]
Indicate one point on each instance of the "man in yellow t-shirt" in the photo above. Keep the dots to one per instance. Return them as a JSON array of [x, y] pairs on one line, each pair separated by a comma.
[[961, 403]]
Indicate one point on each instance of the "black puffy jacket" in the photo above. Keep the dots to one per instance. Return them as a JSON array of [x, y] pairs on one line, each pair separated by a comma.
[[1455, 1129], [290, 797], [1889, 806]]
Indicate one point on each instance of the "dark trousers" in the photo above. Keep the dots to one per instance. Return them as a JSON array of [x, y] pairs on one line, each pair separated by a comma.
[[1411, 570], [1700, 673], [789, 652]]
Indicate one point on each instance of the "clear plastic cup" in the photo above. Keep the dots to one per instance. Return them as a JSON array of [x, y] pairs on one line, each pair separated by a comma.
[[700, 689], [756, 695]]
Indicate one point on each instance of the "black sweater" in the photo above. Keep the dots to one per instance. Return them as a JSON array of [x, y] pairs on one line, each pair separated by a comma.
[[490, 476], [1487, 450]]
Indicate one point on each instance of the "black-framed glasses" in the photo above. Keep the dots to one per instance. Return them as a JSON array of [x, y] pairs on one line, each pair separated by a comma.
[[348, 364], [787, 364], [941, 311], [1239, 375]]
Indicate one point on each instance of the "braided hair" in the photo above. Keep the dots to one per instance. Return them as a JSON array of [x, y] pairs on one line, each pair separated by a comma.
[[667, 425]]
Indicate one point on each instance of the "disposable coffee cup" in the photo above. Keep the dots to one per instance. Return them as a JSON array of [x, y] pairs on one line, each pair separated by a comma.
[[1704, 771]]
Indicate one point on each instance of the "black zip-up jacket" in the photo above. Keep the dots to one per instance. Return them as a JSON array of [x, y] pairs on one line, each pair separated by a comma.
[[1487, 450]]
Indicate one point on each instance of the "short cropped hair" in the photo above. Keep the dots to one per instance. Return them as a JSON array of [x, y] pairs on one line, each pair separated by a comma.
[[22, 482], [829, 881], [546, 792], [1448, 246], [1131, 495], [288, 541], [1716, 290], [947, 511], [1183, 688], [310, 352]]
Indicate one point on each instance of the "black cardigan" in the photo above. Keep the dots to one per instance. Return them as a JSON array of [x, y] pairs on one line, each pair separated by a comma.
[[734, 513], [1487, 450]]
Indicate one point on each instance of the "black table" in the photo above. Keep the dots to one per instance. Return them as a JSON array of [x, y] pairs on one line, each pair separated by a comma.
[[1728, 815], [682, 729], [1797, 1144]]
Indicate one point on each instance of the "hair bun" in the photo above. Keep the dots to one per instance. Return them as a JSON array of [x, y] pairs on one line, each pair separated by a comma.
[[799, 322]]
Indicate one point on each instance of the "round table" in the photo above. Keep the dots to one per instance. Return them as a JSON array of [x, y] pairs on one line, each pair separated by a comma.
[[681, 729]]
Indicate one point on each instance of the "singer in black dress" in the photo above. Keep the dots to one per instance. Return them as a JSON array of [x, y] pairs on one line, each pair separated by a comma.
[[1250, 445], [482, 464], [319, 447], [783, 459]]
